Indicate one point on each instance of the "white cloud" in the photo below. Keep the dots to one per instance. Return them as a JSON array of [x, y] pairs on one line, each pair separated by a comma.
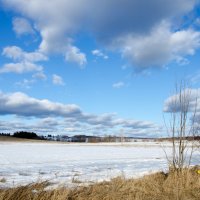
[[99, 53], [55, 27], [118, 85], [23, 61], [188, 95], [41, 126], [135, 124], [73, 54], [25, 83], [57, 80], [22, 105], [20, 68], [160, 47], [39, 75], [18, 54], [105, 120], [187, 101], [13, 52], [52, 114], [22, 26], [134, 20], [55, 41]]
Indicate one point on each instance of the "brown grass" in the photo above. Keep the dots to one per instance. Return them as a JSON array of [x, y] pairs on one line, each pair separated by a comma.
[[15, 139], [158, 186]]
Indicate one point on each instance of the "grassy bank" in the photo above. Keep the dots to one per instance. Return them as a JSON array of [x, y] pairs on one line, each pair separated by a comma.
[[158, 186], [15, 139]]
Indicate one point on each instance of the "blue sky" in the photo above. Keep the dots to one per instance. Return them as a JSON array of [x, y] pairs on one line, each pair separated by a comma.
[[94, 67]]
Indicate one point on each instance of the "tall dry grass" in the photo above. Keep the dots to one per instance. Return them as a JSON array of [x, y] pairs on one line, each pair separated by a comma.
[[183, 185]]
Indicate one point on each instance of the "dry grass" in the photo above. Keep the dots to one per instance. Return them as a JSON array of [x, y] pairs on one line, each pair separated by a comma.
[[158, 186], [15, 139]]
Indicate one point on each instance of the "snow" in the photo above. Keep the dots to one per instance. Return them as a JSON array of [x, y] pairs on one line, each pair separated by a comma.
[[62, 163]]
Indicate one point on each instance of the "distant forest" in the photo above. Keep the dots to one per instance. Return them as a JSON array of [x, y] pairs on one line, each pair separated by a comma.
[[23, 134], [85, 138]]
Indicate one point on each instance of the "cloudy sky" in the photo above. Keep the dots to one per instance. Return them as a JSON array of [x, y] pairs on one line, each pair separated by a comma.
[[95, 67]]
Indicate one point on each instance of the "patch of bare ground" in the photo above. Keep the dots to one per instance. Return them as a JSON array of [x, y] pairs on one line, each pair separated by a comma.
[[159, 186]]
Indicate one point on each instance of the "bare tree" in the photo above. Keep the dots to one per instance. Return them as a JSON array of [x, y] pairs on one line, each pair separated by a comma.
[[182, 127]]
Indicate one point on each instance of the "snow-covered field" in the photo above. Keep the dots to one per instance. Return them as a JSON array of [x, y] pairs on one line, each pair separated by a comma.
[[26, 162]]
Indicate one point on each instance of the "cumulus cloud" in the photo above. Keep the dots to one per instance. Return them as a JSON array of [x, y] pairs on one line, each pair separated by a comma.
[[188, 101], [99, 53], [105, 120], [118, 85], [128, 26], [57, 80], [188, 98], [54, 27], [25, 83], [11, 126], [22, 105], [134, 124], [42, 126], [48, 125], [22, 26], [73, 54], [55, 41], [70, 116], [23, 61], [39, 75], [117, 18], [160, 47], [17, 54], [20, 68]]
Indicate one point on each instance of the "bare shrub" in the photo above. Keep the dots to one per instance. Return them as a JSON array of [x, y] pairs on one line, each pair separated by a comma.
[[182, 128]]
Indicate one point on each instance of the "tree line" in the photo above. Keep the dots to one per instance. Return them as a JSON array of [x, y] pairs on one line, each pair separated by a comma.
[[24, 134]]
